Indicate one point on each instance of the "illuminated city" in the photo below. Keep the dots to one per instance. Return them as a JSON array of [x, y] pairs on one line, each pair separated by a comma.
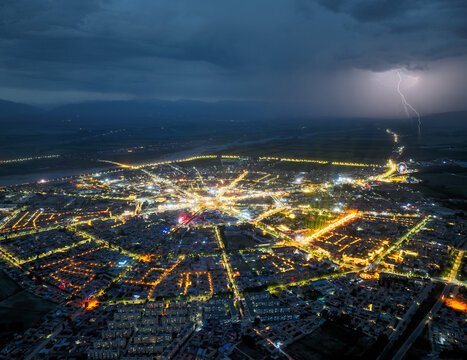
[[233, 180], [154, 255]]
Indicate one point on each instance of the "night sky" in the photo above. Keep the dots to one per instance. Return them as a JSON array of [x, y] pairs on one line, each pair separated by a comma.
[[317, 57]]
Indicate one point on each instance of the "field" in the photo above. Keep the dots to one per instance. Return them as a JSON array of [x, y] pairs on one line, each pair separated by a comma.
[[19, 309], [329, 342], [78, 150], [444, 181]]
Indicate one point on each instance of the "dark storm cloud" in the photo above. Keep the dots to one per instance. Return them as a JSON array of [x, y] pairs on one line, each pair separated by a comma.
[[373, 10], [215, 50]]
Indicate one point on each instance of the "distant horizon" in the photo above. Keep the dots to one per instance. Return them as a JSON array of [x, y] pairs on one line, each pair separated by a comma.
[[155, 101], [358, 58], [233, 179]]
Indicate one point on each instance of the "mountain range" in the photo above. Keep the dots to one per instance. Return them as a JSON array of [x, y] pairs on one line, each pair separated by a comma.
[[139, 111]]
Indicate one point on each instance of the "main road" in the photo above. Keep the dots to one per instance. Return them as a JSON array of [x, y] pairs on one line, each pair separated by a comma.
[[428, 317], [418, 330]]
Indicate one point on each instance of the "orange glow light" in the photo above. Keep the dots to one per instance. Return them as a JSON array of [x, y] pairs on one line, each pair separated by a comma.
[[145, 258], [456, 304], [92, 304]]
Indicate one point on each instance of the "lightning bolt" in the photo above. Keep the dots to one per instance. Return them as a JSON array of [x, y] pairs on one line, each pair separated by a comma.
[[406, 105]]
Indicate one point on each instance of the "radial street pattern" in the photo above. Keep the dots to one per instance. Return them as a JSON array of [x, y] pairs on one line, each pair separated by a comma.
[[217, 233]]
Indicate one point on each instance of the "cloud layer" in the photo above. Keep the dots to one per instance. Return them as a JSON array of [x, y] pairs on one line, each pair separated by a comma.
[[304, 55]]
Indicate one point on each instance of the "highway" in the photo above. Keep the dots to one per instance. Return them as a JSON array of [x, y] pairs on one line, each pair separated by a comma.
[[406, 236], [428, 317], [42, 344], [418, 330], [456, 266], [226, 262], [404, 322]]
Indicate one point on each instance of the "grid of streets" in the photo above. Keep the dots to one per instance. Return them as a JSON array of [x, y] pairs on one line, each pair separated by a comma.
[[143, 259]]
